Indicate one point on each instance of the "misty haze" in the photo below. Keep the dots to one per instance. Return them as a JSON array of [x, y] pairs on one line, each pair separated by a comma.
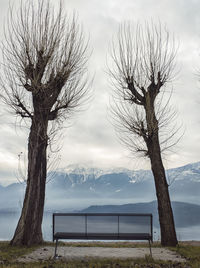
[[121, 190]]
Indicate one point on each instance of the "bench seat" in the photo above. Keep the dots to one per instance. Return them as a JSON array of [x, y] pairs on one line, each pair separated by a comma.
[[103, 236]]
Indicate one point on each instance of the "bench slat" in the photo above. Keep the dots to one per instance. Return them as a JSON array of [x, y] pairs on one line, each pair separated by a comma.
[[123, 236]]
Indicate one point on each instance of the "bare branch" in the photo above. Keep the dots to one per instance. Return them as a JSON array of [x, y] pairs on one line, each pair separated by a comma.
[[45, 54], [143, 63]]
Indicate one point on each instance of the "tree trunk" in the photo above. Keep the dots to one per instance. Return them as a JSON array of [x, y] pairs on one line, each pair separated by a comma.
[[29, 230], [166, 219]]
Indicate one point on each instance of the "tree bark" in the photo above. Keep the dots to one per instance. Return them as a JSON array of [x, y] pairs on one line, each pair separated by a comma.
[[29, 228], [166, 219]]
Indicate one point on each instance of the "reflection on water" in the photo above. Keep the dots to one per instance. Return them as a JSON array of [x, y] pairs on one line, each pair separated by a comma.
[[8, 222]]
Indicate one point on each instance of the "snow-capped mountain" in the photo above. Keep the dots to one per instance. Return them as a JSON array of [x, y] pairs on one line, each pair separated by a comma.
[[76, 187]]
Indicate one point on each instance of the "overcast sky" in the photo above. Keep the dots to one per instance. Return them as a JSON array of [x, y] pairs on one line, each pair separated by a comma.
[[91, 139]]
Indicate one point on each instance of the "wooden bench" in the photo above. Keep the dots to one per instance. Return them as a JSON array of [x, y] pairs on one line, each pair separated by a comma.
[[102, 226]]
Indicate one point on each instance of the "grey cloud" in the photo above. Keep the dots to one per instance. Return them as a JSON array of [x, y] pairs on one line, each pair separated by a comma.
[[92, 139]]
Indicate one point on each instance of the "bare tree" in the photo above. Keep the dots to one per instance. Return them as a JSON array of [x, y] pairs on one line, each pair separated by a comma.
[[45, 80], [142, 64]]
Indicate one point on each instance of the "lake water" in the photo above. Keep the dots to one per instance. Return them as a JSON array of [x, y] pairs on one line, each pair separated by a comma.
[[8, 222]]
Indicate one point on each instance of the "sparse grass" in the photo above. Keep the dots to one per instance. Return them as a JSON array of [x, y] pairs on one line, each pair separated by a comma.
[[191, 253], [105, 244], [9, 253], [99, 263], [8, 256]]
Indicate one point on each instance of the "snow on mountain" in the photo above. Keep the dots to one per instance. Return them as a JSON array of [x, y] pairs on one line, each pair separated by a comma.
[[84, 185], [135, 185], [84, 173], [190, 171]]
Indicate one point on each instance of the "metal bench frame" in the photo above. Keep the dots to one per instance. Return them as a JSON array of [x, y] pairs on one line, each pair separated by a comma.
[[102, 236]]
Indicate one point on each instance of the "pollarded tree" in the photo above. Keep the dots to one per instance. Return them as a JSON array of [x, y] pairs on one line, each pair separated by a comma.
[[143, 63], [44, 81]]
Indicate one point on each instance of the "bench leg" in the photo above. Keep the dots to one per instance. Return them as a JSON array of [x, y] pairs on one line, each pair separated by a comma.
[[55, 254], [150, 248]]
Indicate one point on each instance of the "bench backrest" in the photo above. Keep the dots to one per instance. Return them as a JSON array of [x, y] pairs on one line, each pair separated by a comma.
[[101, 225]]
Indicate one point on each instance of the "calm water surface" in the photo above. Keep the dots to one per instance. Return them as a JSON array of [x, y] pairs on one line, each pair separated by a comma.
[[8, 222]]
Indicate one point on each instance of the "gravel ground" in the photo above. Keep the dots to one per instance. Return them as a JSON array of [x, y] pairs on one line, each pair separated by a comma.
[[47, 253]]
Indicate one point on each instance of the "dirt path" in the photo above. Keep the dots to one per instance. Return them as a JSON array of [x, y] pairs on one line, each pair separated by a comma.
[[47, 253]]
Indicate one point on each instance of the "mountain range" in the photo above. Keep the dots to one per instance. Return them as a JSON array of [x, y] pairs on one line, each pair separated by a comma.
[[185, 214], [75, 187]]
